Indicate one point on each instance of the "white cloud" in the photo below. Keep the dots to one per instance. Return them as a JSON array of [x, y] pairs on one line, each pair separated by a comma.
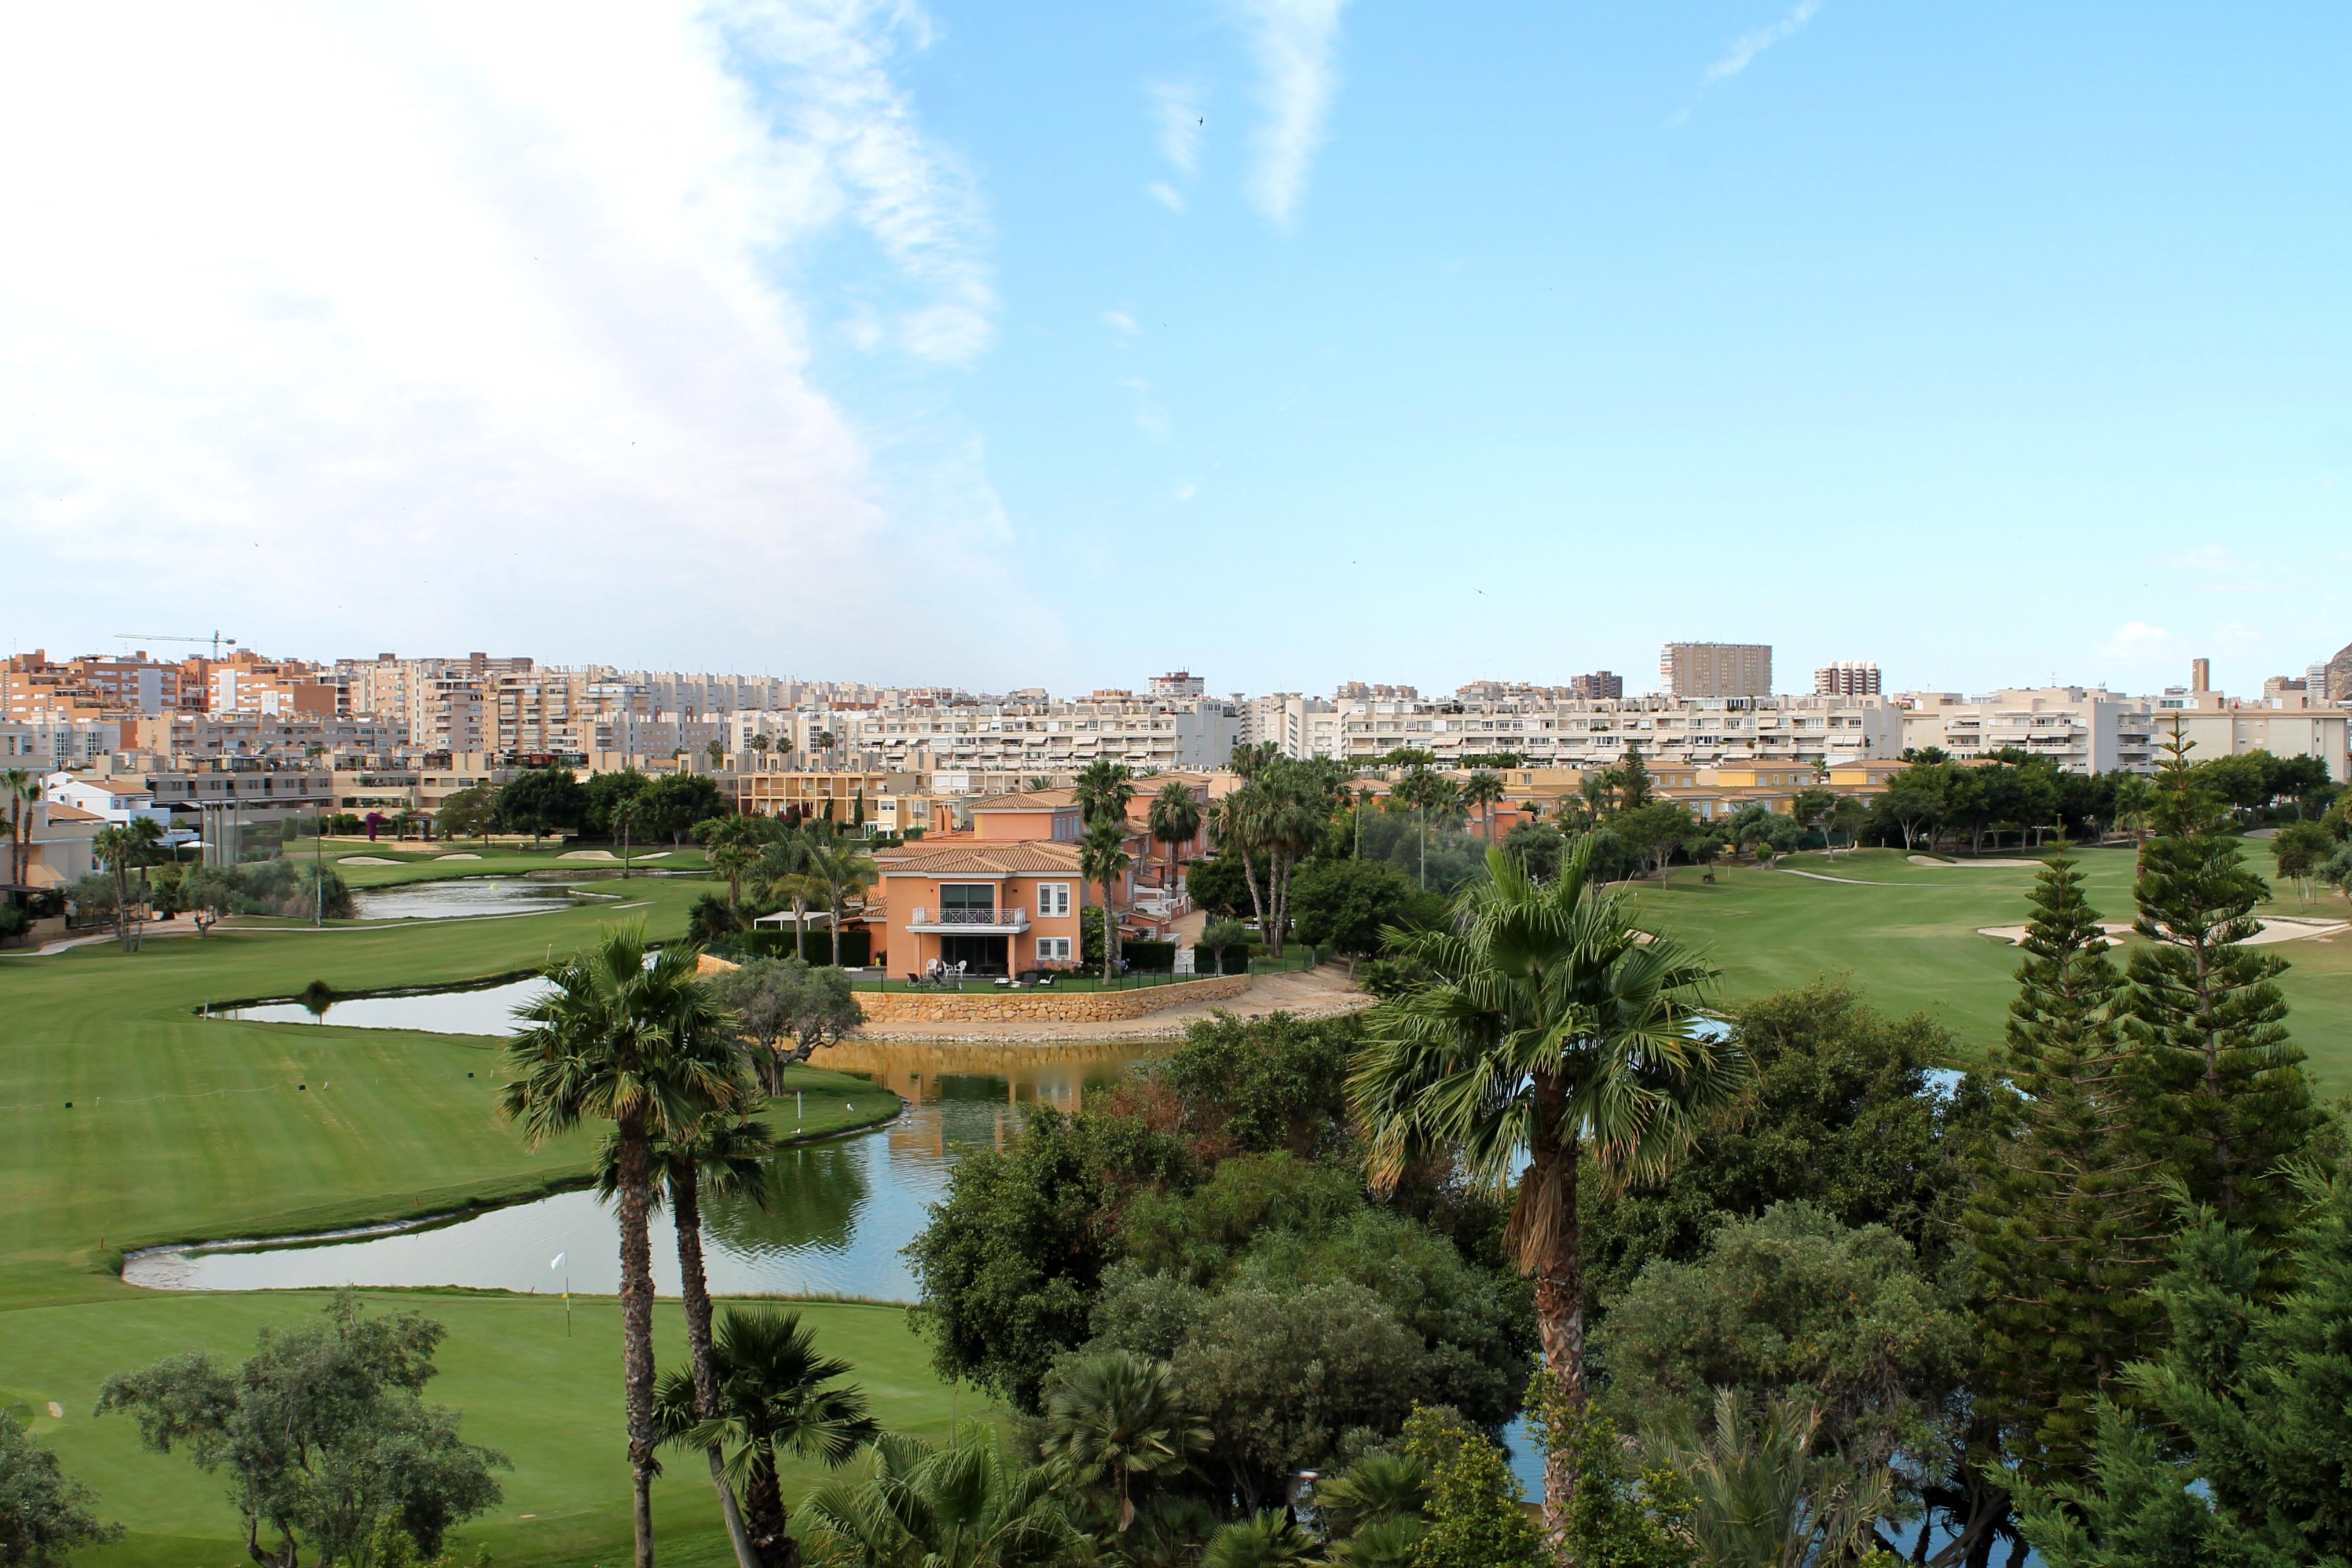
[[1293, 43], [437, 325], [1122, 325], [2208, 558], [1166, 195], [2135, 639], [1186, 492], [1176, 114], [1150, 417], [1744, 51]]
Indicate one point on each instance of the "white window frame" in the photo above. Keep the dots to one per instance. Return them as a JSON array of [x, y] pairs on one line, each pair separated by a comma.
[[1052, 900], [1052, 949]]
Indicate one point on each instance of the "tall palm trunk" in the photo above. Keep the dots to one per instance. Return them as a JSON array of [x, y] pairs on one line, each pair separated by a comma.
[[694, 1290], [637, 1325], [763, 1494], [1546, 1208]]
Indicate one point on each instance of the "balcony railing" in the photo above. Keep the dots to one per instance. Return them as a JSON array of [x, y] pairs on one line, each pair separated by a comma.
[[1007, 919]]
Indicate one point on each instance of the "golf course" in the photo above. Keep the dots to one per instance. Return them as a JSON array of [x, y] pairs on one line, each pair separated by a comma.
[[133, 1119]]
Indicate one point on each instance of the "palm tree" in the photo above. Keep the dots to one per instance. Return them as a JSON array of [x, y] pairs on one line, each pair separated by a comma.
[[1119, 1415], [641, 1045], [968, 1505], [22, 789], [723, 1156], [769, 1401], [1104, 788], [783, 873], [843, 869], [1267, 1539], [1103, 859], [1553, 1027], [119, 846], [1763, 1497], [1484, 788], [1175, 821]]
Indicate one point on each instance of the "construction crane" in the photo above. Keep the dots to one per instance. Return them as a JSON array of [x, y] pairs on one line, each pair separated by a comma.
[[216, 639]]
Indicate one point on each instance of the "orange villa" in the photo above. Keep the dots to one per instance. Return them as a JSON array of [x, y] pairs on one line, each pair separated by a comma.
[[1003, 898]]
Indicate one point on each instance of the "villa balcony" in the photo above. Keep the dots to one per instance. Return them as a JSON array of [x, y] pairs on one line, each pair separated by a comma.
[[1008, 921]]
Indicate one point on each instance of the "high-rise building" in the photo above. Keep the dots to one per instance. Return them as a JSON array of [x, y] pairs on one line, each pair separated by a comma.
[[1600, 683], [1179, 683], [1847, 678], [1716, 670], [2200, 675]]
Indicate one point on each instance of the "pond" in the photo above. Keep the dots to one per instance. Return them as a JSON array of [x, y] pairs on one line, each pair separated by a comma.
[[839, 1214], [454, 898]]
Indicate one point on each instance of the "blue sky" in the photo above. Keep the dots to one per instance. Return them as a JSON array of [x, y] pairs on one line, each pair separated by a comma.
[[1291, 341]]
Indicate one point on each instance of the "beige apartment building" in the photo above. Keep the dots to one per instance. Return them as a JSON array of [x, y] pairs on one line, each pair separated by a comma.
[[1716, 670]]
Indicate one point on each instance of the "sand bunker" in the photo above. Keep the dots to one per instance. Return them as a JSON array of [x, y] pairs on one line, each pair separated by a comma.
[[2277, 928], [587, 855], [1931, 860], [461, 855], [365, 860]]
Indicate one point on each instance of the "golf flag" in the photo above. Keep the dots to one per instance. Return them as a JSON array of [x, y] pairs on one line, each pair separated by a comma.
[[558, 1262]]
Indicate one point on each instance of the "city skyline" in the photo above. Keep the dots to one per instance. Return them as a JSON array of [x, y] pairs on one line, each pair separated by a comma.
[[1187, 335]]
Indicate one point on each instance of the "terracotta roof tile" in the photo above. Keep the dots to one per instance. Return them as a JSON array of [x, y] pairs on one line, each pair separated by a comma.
[[987, 859]]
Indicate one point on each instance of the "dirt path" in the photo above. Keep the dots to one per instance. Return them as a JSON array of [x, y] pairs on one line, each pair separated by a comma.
[[1323, 993]]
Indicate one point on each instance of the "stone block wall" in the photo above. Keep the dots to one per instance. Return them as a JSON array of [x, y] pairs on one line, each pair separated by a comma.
[[989, 1004]]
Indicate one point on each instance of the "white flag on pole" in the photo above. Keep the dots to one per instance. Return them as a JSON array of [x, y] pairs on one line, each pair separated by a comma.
[[559, 1260]]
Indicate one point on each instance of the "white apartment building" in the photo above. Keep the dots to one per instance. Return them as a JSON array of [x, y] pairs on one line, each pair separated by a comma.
[[1570, 731], [46, 741], [1716, 670], [1045, 736], [119, 801]]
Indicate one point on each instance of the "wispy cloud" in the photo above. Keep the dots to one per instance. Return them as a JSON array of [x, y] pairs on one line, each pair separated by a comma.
[[1295, 45], [1743, 52], [1122, 325], [1150, 417], [2208, 558], [1166, 195], [1177, 119]]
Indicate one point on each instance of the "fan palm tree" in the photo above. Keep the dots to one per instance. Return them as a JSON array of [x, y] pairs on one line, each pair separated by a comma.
[[1103, 859], [119, 847], [1119, 1416], [1104, 788], [641, 1045], [843, 869], [968, 1505], [723, 1156], [1484, 788], [733, 844], [769, 1401], [1175, 821], [1552, 1027]]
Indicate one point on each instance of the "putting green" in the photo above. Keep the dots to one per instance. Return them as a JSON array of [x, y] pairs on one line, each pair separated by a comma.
[[1907, 935]]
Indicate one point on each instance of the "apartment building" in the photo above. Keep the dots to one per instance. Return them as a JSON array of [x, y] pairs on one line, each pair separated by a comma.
[[1600, 683], [846, 798], [1847, 678], [1690, 669], [2285, 724], [1555, 731], [117, 800], [1043, 735], [2084, 730]]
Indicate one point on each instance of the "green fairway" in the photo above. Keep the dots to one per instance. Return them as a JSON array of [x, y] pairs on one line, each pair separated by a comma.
[[183, 1127], [552, 1402], [1908, 936]]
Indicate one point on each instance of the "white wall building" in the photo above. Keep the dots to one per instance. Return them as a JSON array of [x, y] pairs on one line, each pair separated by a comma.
[[119, 801]]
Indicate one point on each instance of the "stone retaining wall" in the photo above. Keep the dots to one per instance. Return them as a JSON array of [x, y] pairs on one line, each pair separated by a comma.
[[991, 1004]]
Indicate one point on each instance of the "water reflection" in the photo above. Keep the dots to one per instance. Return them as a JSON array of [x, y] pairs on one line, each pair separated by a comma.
[[839, 1215], [459, 896], [485, 1010]]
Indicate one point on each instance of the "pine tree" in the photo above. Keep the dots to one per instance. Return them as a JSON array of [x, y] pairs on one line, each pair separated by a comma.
[[2232, 1099], [2068, 1219]]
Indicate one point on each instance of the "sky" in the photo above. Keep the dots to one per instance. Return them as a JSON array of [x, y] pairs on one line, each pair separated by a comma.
[[1290, 342]]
